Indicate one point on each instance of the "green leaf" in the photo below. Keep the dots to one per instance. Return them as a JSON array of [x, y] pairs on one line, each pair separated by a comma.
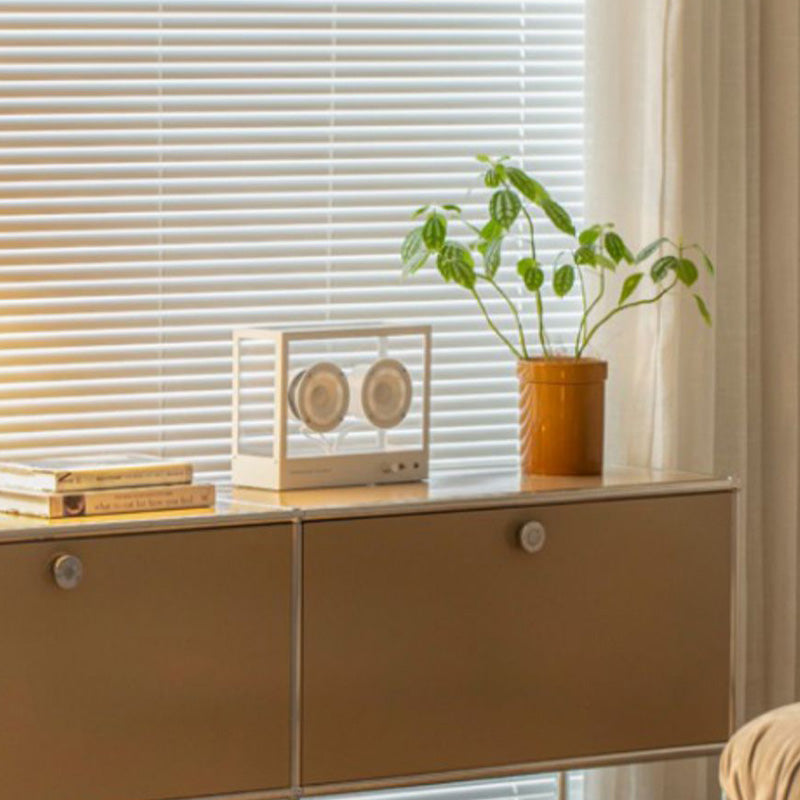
[[492, 255], [650, 249], [703, 309], [534, 279], [604, 261], [451, 207], [589, 236], [491, 230], [585, 255], [709, 264], [616, 248], [628, 255], [464, 275], [412, 245], [455, 263], [662, 266], [491, 178], [483, 158], [686, 271], [419, 212], [531, 274], [558, 216], [416, 262], [525, 264], [563, 279], [504, 207], [629, 286], [528, 186], [434, 231]]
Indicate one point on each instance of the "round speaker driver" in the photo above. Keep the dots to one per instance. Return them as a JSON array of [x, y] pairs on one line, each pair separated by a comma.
[[385, 393], [319, 396]]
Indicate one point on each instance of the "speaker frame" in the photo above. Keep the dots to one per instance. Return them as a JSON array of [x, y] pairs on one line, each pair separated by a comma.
[[279, 470]]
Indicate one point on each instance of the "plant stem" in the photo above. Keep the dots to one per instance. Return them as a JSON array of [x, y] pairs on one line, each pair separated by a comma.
[[585, 321], [583, 316], [616, 310], [539, 304], [505, 297], [494, 327], [514, 311]]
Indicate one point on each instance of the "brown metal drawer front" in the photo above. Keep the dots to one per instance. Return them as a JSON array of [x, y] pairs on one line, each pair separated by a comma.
[[164, 673], [435, 642]]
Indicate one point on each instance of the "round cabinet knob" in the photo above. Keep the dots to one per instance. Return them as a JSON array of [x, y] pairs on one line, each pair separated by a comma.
[[532, 537], [67, 572]]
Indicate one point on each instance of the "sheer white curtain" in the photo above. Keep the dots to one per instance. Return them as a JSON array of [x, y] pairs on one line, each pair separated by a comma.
[[693, 129]]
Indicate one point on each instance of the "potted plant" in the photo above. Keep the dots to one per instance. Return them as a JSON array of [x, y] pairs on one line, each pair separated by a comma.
[[561, 391]]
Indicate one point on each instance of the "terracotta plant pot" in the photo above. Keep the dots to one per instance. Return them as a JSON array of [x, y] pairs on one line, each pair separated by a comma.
[[561, 405]]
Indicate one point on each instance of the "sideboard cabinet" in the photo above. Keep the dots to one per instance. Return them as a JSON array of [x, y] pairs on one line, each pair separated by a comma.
[[314, 642], [435, 642], [164, 673]]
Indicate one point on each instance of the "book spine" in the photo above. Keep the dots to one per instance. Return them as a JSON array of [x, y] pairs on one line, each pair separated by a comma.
[[124, 502], [135, 476]]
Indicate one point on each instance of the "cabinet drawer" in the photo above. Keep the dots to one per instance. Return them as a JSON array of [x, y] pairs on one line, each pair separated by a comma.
[[164, 673], [434, 642]]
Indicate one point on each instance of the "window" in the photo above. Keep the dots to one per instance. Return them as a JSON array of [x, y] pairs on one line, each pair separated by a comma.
[[173, 168]]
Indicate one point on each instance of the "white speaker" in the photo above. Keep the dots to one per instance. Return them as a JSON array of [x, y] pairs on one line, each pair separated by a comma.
[[380, 392], [319, 396], [312, 404]]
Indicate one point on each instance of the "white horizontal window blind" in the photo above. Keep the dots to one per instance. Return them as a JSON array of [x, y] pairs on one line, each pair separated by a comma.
[[173, 169]]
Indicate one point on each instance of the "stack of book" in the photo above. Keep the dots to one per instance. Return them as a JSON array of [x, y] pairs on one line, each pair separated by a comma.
[[81, 487]]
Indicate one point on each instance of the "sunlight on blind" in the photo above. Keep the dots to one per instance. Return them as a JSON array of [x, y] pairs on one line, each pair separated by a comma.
[[173, 169]]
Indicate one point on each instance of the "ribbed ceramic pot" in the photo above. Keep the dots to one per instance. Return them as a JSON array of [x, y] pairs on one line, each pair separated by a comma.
[[561, 410]]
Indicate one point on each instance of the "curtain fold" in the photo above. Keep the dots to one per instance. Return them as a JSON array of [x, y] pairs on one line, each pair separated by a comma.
[[693, 129]]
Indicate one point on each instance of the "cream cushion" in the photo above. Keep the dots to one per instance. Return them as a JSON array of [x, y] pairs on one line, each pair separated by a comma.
[[762, 759]]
